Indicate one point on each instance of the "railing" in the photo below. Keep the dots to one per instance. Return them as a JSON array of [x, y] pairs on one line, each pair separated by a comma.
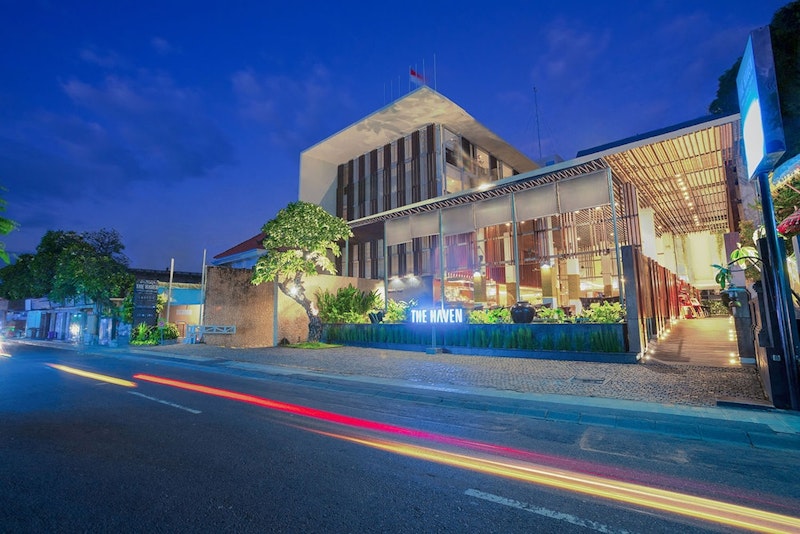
[[195, 332]]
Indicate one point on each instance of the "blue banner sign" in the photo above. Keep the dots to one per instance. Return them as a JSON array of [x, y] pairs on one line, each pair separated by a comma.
[[759, 105], [437, 315]]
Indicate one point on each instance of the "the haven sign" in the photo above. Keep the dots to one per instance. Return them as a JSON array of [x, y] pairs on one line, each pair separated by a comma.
[[437, 316]]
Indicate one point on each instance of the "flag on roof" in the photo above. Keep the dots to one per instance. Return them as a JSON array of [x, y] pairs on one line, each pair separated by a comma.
[[416, 77]]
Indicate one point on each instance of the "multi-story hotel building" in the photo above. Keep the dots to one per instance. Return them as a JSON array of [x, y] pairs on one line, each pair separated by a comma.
[[444, 211]]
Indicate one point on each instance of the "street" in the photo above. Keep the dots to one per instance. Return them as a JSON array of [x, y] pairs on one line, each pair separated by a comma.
[[128, 443]]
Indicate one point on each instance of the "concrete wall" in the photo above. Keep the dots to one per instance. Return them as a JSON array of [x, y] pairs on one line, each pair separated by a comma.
[[292, 318], [232, 300]]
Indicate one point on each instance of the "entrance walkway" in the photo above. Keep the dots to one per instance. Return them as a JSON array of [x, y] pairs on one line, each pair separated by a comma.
[[707, 341]]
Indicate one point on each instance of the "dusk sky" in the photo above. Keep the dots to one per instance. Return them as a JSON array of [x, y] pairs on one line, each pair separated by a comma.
[[180, 124]]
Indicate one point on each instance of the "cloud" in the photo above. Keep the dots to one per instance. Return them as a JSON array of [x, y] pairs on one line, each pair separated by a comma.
[[295, 111], [164, 127], [106, 59], [162, 46], [570, 54]]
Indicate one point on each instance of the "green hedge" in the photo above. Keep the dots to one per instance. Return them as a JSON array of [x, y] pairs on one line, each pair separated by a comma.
[[532, 337]]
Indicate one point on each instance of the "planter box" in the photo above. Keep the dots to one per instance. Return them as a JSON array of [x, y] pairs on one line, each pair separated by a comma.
[[558, 341]]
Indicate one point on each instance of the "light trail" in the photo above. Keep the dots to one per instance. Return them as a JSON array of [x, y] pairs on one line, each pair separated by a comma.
[[94, 376], [664, 500], [516, 468]]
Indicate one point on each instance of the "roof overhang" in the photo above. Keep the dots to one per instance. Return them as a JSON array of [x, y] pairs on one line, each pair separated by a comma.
[[680, 173], [411, 112]]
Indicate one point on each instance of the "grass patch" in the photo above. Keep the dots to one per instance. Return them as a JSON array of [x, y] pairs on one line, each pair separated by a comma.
[[312, 345]]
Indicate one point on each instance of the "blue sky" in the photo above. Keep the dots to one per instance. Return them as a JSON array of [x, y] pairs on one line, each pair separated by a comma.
[[180, 124]]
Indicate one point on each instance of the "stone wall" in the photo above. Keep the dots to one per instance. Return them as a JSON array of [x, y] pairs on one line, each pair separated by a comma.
[[232, 300]]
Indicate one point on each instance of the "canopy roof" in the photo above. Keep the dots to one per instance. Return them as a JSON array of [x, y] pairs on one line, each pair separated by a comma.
[[681, 173]]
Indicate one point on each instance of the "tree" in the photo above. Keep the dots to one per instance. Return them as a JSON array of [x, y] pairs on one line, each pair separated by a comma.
[[786, 51], [92, 267], [727, 101], [16, 279], [6, 227], [44, 267], [70, 265], [300, 241]]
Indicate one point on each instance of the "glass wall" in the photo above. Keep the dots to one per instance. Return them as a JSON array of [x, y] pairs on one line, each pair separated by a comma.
[[548, 256], [468, 166]]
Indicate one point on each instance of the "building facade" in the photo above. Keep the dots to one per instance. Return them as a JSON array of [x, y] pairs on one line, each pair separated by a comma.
[[447, 213]]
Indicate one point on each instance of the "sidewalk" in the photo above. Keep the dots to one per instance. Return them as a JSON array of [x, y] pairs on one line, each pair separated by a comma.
[[696, 402]]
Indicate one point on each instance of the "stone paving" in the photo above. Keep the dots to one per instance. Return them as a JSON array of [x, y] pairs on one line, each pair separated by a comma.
[[650, 381]]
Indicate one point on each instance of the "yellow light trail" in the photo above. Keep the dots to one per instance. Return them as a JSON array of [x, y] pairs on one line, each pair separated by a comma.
[[493, 463], [95, 376], [654, 498]]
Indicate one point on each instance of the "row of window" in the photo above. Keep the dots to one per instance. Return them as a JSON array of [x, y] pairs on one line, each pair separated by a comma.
[[404, 172]]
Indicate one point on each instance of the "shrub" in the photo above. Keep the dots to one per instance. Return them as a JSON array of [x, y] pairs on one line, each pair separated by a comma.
[[490, 316], [141, 335], [152, 335], [397, 310], [605, 312], [555, 315], [348, 305]]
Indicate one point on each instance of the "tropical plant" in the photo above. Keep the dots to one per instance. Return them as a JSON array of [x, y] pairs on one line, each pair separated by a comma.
[[397, 310], [490, 316], [603, 312], [741, 257], [153, 335], [555, 315], [300, 241], [348, 305], [141, 335]]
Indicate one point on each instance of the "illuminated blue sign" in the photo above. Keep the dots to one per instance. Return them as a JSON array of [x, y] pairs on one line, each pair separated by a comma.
[[437, 315], [759, 105]]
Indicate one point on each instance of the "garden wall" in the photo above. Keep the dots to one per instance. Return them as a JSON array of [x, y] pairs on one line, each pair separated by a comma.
[[261, 319], [232, 300]]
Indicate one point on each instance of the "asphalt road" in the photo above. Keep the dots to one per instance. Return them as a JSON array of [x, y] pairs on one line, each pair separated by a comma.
[[156, 453]]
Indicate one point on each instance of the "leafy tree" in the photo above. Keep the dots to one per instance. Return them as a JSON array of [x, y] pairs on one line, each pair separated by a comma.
[[6, 226], [44, 267], [92, 267], [299, 242], [786, 50], [16, 280], [727, 101], [71, 265]]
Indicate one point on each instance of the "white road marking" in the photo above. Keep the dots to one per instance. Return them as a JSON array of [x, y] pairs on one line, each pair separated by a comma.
[[190, 410], [552, 514]]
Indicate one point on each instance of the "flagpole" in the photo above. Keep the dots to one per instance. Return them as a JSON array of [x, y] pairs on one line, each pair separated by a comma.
[[434, 72]]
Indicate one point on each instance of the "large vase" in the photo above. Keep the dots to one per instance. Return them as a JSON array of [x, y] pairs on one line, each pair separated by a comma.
[[522, 312]]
